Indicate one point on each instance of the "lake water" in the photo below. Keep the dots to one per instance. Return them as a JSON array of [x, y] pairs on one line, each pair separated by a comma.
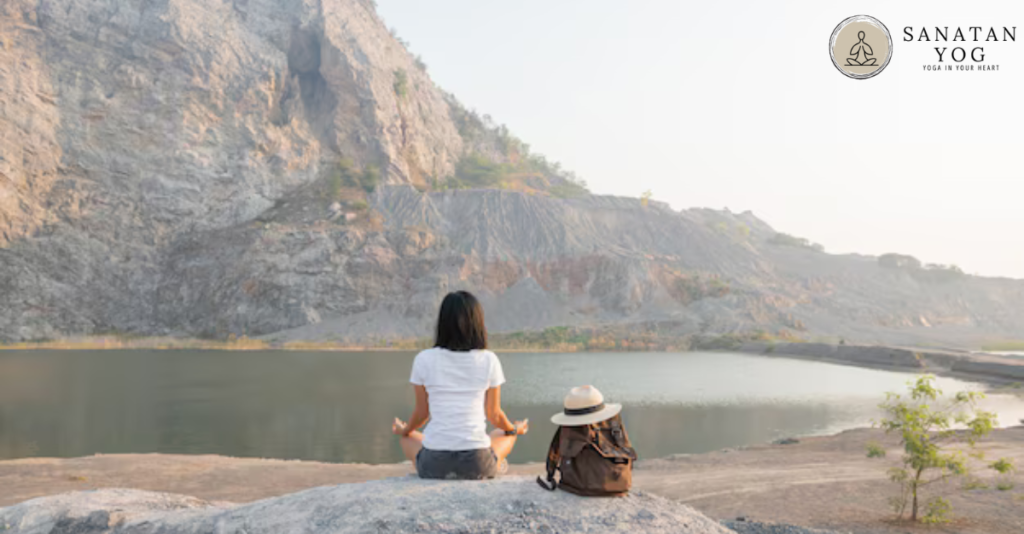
[[338, 406]]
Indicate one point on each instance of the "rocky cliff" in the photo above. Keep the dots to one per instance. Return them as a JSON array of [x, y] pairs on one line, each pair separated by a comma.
[[202, 168]]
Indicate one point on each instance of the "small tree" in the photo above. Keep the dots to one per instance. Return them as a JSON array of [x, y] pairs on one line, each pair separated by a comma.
[[1005, 468], [925, 423]]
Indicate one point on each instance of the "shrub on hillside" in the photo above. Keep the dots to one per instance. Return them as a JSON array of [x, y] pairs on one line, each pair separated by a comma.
[[369, 178], [898, 261], [401, 84], [691, 288], [341, 176], [568, 190], [488, 141], [786, 240], [932, 272], [736, 230], [334, 185], [476, 170], [345, 175], [941, 273]]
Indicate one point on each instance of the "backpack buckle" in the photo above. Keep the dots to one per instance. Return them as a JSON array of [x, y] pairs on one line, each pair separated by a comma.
[[617, 433]]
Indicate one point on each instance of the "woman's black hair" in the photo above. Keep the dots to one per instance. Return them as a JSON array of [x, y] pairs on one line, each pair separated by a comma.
[[460, 324]]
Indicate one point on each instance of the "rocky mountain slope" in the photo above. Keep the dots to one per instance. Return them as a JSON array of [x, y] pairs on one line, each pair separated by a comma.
[[286, 168]]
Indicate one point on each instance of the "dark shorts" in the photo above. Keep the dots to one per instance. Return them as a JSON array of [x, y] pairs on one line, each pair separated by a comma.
[[476, 464]]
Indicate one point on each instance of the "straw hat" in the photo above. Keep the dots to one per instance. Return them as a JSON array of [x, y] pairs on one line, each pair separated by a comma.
[[585, 406]]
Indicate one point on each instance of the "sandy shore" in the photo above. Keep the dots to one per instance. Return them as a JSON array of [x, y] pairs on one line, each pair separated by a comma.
[[825, 482]]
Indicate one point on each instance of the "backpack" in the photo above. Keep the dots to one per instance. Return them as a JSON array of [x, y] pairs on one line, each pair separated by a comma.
[[594, 460]]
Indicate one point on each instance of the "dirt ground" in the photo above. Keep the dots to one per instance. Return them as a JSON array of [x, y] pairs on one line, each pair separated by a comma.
[[830, 483], [819, 482]]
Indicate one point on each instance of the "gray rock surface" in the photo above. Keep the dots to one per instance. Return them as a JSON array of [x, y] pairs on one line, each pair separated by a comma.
[[163, 168], [506, 505], [1007, 368], [755, 527]]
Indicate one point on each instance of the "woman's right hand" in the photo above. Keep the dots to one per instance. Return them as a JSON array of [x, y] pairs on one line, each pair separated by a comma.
[[522, 427]]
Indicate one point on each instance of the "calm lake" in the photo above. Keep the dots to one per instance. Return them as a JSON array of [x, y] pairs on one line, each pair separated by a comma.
[[338, 406]]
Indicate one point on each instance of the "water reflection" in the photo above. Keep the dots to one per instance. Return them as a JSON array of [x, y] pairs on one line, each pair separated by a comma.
[[338, 406]]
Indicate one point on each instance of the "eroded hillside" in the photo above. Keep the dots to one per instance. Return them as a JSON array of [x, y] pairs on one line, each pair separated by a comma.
[[287, 168]]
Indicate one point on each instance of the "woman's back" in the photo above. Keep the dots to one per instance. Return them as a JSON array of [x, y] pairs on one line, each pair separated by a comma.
[[456, 384], [458, 390]]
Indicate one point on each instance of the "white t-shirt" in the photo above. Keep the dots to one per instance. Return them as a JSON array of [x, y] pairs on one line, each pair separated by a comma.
[[456, 385]]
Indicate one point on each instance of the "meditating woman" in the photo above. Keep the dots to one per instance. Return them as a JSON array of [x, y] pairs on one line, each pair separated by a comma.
[[458, 388]]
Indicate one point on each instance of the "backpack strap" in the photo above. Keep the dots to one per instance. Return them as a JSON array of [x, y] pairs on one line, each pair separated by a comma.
[[617, 433], [554, 457], [619, 437]]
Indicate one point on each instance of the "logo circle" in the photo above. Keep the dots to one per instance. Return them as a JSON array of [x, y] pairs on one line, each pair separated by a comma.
[[860, 47]]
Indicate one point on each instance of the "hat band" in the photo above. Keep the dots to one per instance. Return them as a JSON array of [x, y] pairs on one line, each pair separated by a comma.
[[584, 411]]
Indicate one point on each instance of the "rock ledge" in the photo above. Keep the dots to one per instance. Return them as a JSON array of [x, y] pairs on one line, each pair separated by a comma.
[[510, 504]]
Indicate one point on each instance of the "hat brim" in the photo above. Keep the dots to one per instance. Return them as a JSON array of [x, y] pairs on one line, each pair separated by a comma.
[[609, 411]]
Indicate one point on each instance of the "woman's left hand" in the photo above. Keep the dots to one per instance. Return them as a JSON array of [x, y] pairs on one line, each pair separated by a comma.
[[398, 427]]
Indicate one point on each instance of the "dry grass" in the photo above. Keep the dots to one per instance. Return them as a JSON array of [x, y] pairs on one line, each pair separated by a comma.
[[247, 344], [240, 343], [1004, 346], [115, 342], [334, 345]]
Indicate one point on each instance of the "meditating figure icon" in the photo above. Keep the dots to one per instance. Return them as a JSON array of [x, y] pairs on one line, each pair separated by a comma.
[[861, 49]]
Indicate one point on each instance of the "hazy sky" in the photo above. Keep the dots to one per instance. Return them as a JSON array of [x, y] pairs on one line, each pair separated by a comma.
[[737, 104]]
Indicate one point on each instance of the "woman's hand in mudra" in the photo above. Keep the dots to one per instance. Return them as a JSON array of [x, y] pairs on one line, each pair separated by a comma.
[[522, 427], [398, 427]]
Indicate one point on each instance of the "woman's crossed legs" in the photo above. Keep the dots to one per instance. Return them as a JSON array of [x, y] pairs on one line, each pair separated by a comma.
[[500, 443]]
